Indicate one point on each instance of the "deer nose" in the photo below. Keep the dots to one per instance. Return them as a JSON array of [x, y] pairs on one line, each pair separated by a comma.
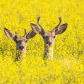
[[49, 43], [21, 47]]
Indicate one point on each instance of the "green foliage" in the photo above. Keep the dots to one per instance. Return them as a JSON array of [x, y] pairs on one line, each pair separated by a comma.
[[67, 66]]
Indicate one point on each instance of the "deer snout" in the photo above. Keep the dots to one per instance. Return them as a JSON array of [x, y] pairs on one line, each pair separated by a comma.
[[21, 47], [49, 43]]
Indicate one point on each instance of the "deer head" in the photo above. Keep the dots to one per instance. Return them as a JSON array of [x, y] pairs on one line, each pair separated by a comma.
[[21, 41], [49, 36]]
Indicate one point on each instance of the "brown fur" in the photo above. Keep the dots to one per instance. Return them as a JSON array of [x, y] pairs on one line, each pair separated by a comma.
[[49, 36], [21, 42]]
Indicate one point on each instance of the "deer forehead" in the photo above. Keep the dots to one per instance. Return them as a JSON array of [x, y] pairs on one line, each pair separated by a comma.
[[49, 33], [21, 38]]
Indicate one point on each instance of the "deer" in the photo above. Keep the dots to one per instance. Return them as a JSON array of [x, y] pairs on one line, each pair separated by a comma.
[[21, 42], [48, 36]]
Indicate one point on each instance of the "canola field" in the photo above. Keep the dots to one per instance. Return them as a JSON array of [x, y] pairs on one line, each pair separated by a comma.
[[67, 66]]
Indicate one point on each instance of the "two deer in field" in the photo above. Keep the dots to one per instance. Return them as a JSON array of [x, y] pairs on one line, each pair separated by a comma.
[[48, 37]]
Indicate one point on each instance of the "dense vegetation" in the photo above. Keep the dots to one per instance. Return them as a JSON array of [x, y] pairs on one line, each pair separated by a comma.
[[67, 66]]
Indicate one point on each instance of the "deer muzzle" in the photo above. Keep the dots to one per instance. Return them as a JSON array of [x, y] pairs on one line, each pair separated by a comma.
[[21, 47], [49, 43]]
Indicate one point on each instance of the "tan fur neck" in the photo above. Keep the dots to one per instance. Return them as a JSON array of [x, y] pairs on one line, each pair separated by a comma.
[[48, 52]]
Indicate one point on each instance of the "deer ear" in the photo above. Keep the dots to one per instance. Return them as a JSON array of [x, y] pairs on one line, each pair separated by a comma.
[[31, 34], [35, 28], [8, 33], [61, 29]]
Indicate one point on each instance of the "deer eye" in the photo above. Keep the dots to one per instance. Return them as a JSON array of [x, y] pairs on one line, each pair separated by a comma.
[[26, 41], [53, 36], [44, 36], [16, 41]]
